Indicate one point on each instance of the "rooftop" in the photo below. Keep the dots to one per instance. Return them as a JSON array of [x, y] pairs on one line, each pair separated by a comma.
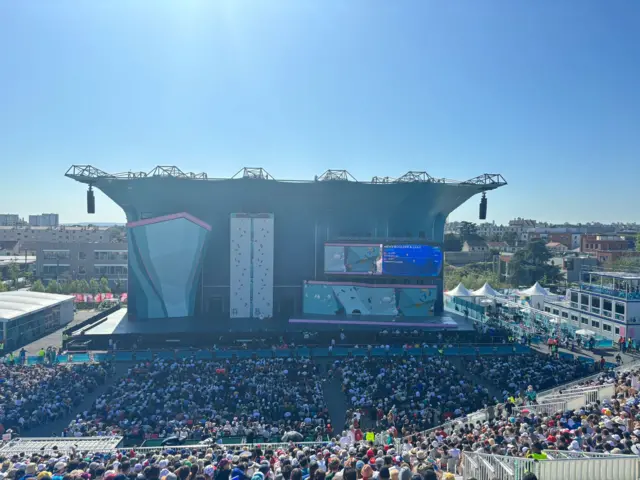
[[20, 303]]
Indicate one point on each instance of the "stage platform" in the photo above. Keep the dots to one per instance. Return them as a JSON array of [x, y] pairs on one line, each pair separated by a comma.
[[200, 331]]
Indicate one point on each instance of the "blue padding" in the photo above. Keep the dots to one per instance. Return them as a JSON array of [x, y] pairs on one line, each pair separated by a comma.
[[144, 356], [203, 355], [123, 356]]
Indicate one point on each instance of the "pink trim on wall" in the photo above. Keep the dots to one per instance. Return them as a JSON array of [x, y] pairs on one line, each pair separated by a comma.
[[352, 284], [166, 218]]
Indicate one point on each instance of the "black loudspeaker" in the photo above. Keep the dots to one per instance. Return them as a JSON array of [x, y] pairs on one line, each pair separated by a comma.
[[483, 207], [91, 201]]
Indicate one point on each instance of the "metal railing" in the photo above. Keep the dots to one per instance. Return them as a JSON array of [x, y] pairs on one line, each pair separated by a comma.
[[583, 466]]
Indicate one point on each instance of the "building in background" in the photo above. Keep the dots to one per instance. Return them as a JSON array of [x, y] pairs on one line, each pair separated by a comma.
[[60, 234], [475, 244], [607, 303], [606, 248], [44, 220], [9, 220], [82, 261], [27, 316], [574, 264]]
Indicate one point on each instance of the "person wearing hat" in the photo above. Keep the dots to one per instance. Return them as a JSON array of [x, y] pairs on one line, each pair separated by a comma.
[[224, 470]]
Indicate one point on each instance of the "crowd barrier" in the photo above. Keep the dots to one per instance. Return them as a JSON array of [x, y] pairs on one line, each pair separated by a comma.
[[583, 466], [148, 355]]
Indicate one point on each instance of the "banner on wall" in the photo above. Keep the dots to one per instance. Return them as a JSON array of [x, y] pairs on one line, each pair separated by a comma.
[[88, 298]]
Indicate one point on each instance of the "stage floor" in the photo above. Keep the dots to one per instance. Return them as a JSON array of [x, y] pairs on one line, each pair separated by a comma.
[[118, 324]]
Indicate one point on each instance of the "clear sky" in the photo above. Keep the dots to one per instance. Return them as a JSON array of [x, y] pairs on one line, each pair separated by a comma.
[[545, 92]]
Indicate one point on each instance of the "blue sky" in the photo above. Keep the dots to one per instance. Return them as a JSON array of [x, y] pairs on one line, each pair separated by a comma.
[[544, 92]]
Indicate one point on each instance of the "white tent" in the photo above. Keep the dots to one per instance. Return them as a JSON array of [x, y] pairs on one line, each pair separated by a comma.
[[486, 291], [460, 291], [537, 289]]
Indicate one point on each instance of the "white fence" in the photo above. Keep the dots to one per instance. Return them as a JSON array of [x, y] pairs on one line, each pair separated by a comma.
[[584, 467]]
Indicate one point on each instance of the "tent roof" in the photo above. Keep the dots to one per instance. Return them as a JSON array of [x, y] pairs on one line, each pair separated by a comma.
[[485, 291], [536, 289], [460, 291]]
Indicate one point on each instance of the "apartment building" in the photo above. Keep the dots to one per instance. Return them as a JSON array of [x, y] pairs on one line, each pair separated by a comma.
[[82, 261], [60, 234], [44, 220]]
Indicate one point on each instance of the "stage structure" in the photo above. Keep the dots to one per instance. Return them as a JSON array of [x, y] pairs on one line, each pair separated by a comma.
[[252, 247]]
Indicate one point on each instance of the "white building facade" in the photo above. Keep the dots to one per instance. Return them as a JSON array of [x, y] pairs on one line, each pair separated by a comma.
[[44, 220], [608, 303]]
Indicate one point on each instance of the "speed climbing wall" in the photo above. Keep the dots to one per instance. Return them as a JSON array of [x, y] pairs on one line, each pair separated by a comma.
[[240, 274], [251, 276]]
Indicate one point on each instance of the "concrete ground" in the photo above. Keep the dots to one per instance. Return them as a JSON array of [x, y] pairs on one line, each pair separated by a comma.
[[54, 339]]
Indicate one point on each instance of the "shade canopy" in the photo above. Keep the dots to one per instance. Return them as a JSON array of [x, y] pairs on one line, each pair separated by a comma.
[[460, 291], [536, 289], [585, 333], [485, 291]]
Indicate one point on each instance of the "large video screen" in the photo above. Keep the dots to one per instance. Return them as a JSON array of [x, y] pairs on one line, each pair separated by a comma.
[[346, 298], [394, 260]]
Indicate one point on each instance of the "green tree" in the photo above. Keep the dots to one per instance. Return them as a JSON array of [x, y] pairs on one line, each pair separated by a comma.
[[452, 243], [14, 274], [71, 287], [638, 242], [53, 287], [468, 229], [532, 265], [94, 287], [104, 285], [37, 286], [83, 286], [3, 286]]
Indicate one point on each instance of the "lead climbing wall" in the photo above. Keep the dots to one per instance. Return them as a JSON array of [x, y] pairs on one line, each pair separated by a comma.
[[240, 274], [262, 266], [251, 276]]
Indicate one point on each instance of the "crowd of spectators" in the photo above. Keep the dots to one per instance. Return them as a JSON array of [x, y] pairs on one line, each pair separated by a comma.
[[200, 399], [322, 462], [610, 426], [407, 394], [33, 395], [515, 374]]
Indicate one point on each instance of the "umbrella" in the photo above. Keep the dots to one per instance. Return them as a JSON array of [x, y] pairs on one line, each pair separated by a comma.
[[553, 320], [585, 333], [292, 436]]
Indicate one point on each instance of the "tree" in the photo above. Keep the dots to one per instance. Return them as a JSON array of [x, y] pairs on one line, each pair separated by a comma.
[[532, 265], [53, 287], [37, 286], [104, 285], [510, 237], [3, 286], [452, 243], [94, 287], [14, 274], [83, 286], [71, 287], [472, 276], [638, 242], [468, 229]]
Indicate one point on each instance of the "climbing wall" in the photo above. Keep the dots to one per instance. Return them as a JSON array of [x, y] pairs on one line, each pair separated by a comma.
[[240, 274], [262, 263]]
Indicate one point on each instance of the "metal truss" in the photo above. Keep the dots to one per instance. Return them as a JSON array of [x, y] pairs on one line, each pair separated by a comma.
[[336, 175], [377, 179], [89, 174], [489, 179], [258, 173]]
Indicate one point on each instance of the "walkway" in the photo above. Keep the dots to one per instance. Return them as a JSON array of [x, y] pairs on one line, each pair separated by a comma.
[[54, 339]]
